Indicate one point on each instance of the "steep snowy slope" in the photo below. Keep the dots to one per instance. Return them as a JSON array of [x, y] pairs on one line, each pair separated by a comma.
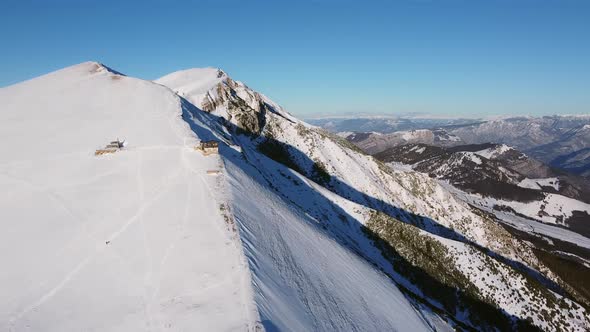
[[427, 239], [194, 90], [130, 241], [304, 278]]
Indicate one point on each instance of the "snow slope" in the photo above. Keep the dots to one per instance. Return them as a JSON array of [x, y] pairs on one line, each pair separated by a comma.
[[304, 278], [538, 184], [123, 242], [307, 209], [301, 272], [194, 90], [142, 240], [494, 152], [526, 224]]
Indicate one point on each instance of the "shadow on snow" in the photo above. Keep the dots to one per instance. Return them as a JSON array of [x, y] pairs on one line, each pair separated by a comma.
[[339, 225]]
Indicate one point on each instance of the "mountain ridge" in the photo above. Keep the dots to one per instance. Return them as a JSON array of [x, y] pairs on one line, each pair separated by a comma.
[[280, 134], [291, 199]]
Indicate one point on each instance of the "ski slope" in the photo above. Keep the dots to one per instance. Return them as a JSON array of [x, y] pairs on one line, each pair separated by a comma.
[[130, 241]]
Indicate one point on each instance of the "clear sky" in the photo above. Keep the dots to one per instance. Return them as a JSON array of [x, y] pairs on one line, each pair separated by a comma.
[[455, 57]]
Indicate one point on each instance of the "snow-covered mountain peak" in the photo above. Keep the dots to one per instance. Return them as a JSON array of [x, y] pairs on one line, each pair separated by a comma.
[[98, 67], [89, 104], [213, 91], [193, 84], [92, 67], [61, 76], [136, 234], [494, 151]]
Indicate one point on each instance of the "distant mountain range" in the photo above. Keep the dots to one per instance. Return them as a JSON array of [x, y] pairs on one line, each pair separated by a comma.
[[560, 141], [376, 142], [501, 173], [382, 124]]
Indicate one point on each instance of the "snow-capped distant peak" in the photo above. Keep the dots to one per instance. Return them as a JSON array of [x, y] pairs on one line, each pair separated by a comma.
[[494, 152], [413, 134], [213, 91], [344, 134], [538, 184], [471, 156], [418, 149]]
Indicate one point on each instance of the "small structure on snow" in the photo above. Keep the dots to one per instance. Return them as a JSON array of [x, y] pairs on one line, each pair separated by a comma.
[[208, 147], [213, 172], [112, 147]]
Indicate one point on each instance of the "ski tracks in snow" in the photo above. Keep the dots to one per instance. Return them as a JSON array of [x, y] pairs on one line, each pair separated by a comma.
[[154, 270], [99, 247]]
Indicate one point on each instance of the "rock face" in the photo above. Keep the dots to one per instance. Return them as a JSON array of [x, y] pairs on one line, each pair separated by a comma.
[[243, 107], [249, 110]]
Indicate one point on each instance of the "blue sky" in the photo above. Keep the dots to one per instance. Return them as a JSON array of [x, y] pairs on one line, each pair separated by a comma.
[[464, 58]]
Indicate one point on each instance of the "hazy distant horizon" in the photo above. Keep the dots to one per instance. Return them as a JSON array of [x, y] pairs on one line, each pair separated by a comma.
[[455, 58], [353, 115]]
